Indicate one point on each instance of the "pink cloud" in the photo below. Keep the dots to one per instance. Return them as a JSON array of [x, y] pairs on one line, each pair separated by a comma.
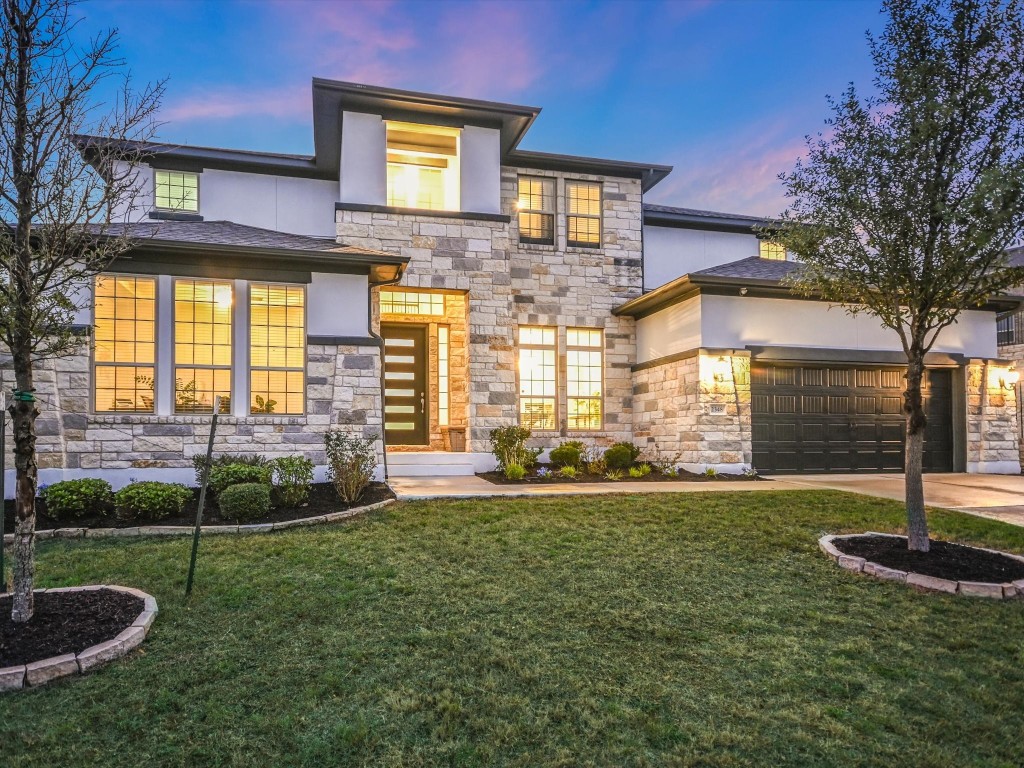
[[231, 101]]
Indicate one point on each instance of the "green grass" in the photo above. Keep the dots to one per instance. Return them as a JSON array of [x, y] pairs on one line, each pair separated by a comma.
[[691, 629]]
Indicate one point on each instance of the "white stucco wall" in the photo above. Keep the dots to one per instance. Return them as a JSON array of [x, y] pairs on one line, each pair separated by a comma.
[[336, 305], [480, 169], [363, 159], [671, 252], [734, 322]]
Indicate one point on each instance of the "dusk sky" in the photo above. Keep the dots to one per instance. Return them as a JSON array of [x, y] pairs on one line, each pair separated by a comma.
[[724, 90]]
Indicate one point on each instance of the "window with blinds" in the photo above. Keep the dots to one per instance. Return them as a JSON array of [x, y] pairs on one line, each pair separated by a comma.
[[176, 191], [124, 358], [536, 210], [422, 166], [583, 214], [584, 367], [202, 345], [537, 378], [277, 348]]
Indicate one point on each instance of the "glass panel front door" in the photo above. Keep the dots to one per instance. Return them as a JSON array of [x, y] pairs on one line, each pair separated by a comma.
[[405, 384]]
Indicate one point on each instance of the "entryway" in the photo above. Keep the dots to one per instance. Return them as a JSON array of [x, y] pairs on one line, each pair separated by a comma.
[[405, 384]]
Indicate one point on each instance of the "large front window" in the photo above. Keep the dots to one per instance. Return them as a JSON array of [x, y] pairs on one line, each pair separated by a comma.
[[202, 345], [584, 368], [537, 378], [277, 348], [423, 166], [125, 352]]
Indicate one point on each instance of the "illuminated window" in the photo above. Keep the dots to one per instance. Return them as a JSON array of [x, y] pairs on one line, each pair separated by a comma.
[[277, 348], [443, 400], [537, 368], [773, 251], [202, 345], [176, 191], [583, 219], [411, 303], [423, 166], [125, 329], [584, 367], [536, 207]]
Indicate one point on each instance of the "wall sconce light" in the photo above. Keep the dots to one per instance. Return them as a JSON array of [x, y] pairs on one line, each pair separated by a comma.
[[721, 369], [1009, 379]]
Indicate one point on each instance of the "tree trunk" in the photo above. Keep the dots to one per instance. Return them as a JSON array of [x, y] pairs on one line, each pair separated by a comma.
[[23, 416], [913, 409]]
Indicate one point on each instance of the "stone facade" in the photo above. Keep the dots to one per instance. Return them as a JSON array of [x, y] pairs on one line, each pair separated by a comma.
[[695, 411], [508, 284], [1015, 353], [342, 390], [993, 436]]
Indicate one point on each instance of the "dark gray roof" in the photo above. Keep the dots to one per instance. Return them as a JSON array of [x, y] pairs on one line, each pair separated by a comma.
[[671, 209], [754, 268], [694, 218]]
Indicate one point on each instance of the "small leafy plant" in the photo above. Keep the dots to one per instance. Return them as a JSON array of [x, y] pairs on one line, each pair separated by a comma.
[[711, 473], [640, 470], [293, 475], [78, 498], [568, 472], [613, 475], [508, 444], [226, 475], [263, 406], [150, 500], [351, 462], [621, 456], [245, 502], [255, 459], [750, 472], [544, 472], [670, 471], [515, 472]]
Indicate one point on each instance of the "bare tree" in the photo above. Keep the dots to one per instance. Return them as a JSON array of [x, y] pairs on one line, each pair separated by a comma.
[[906, 204], [56, 207]]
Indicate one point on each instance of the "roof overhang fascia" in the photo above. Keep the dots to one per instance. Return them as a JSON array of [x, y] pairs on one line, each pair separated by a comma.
[[708, 223], [648, 173]]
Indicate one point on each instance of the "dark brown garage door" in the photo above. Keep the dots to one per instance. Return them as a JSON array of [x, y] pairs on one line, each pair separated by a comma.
[[843, 419]]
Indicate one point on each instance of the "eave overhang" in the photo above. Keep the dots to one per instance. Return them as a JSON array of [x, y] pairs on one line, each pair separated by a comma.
[[648, 173]]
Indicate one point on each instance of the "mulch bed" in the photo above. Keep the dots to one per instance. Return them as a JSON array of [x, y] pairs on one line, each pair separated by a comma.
[[944, 560], [655, 477], [323, 500], [65, 622]]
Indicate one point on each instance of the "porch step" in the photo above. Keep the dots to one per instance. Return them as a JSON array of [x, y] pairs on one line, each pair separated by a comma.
[[435, 464]]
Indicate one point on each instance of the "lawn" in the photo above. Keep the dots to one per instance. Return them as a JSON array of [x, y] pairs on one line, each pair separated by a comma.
[[690, 629]]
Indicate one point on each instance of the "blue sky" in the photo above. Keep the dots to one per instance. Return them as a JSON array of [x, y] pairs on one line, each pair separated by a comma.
[[724, 90]]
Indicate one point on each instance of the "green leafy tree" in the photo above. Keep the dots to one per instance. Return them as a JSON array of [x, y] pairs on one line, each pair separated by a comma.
[[906, 203], [55, 206]]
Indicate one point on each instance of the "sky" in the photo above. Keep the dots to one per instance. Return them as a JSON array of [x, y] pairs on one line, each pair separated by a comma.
[[723, 90]]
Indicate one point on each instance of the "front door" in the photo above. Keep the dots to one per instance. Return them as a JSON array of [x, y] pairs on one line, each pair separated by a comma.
[[405, 384]]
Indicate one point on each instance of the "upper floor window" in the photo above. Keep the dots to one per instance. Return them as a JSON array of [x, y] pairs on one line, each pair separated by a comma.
[[1010, 329], [176, 191], [773, 251], [423, 166], [125, 353], [536, 207], [583, 219]]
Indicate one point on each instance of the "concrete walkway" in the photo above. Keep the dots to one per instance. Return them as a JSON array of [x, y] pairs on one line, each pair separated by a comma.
[[1000, 497]]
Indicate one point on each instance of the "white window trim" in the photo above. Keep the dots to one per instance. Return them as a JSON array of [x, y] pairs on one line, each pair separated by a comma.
[[198, 176]]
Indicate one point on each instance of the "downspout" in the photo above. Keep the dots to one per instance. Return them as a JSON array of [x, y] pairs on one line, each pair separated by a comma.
[[380, 344]]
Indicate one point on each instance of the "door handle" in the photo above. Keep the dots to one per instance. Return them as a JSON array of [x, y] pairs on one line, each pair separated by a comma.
[[423, 402]]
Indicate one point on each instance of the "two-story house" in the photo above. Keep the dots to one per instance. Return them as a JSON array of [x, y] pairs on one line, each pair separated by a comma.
[[422, 278]]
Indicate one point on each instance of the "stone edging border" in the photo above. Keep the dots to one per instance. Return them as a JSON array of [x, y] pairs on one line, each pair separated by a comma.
[[187, 530], [989, 589], [39, 672]]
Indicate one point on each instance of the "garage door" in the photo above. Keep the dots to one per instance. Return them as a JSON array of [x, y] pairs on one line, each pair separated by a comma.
[[843, 419]]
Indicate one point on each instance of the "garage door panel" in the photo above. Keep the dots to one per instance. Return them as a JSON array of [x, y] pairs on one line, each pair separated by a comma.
[[843, 419]]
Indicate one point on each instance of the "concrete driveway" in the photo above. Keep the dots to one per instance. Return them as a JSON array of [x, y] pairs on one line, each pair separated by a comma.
[[1000, 497]]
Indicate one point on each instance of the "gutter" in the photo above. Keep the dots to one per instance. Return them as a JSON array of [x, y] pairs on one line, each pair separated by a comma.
[[380, 343]]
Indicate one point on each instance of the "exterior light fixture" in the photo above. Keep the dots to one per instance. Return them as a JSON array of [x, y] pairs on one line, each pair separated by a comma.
[[1009, 379], [721, 369]]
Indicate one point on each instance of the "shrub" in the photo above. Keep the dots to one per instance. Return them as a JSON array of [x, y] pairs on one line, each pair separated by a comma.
[[568, 472], [78, 498], [292, 477], [150, 500], [613, 474], [253, 459], [515, 472], [245, 502], [508, 444], [640, 470], [568, 454], [351, 462], [710, 472], [225, 475], [621, 456]]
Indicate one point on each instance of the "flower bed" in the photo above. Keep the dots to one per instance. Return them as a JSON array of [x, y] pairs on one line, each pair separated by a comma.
[[544, 474]]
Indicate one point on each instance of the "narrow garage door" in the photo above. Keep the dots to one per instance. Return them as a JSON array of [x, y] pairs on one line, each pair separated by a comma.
[[843, 419]]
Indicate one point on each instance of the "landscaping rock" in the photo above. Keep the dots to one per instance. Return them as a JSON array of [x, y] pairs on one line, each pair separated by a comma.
[[12, 678], [932, 583], [981, 589], [145, 620], [881, 572], [131, 637], [39, 672], [851, 563], [98, 654], [825, 543]]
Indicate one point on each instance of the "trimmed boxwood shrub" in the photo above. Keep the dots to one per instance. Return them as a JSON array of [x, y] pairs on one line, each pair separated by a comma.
[[245, 502], [150, 500], [225, 475], [70, 499], [568, 454], [221, 459], [621, 456]]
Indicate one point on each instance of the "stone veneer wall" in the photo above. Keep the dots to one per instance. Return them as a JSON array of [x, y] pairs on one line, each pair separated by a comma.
[[509, 284], [993, 429], [1015, 352], [683, 413], [342, 390]]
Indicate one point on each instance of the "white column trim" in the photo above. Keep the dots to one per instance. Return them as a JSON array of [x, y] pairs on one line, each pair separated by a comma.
[[164, 395], [240, 351]]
